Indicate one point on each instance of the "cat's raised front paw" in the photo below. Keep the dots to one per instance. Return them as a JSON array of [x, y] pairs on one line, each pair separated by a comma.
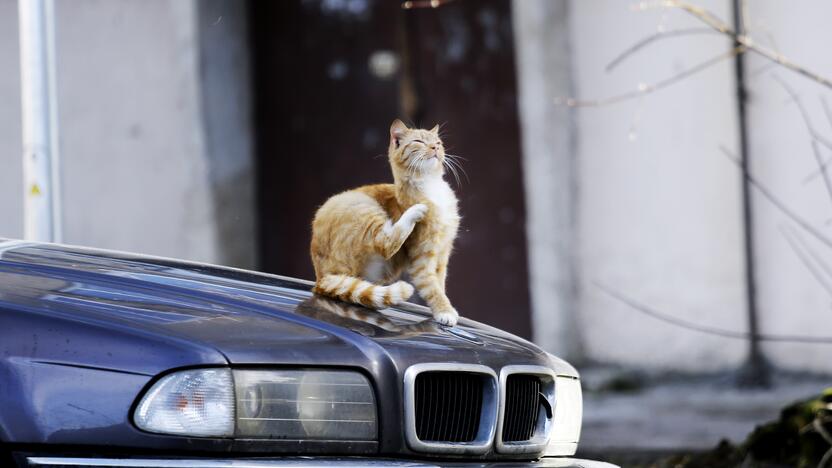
[[416, 212], [446, 317]]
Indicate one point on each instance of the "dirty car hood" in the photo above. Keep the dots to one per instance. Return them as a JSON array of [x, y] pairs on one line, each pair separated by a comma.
[[249, 318]]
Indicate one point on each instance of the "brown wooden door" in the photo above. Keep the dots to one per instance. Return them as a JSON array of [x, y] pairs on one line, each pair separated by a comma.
[[326, 92]]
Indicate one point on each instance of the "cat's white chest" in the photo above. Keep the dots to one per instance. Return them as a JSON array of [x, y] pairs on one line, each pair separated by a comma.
[[438, 192]]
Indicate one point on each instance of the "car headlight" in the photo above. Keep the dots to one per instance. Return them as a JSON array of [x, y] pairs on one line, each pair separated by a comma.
[[305, 404], [566, 427], [191, 402], [309, 404]]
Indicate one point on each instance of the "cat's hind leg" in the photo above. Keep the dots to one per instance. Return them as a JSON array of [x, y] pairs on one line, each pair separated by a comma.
[[391, 236], [358, 291]]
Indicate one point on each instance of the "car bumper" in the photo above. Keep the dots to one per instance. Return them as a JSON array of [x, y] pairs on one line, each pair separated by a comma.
[[304, 462]]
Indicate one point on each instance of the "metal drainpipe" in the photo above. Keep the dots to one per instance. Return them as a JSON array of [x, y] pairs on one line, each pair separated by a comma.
[[41, 168], [756, 370]]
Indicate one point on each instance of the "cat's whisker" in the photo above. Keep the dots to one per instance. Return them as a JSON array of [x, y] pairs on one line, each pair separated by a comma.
[[456, 156], [447, 163], [457, 165], [411, 166], [418, 162], [459, 169], [455, 160], [456, 170]]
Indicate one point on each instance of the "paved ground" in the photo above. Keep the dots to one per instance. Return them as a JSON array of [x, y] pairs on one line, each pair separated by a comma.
[[683, 414]]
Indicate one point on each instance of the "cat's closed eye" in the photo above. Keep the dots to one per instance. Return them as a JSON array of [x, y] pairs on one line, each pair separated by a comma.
[[438, 143]]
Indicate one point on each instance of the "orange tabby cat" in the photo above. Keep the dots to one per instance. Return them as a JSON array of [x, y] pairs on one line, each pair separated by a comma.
[[363, 239]]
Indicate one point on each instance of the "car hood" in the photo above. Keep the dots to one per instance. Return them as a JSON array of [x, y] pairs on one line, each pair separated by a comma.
[[250, 319]]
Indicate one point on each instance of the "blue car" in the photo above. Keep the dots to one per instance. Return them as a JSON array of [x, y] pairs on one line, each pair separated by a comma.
[[113, 359]]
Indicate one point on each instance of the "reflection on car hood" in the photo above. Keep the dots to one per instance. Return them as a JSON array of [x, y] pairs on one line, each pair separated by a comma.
[[251, 318]]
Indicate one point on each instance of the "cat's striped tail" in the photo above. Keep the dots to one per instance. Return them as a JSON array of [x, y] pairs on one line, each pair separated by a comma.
[[358, 291]]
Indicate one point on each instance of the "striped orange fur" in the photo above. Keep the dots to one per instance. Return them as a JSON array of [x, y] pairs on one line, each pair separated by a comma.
[[363, 239], [359, 291]]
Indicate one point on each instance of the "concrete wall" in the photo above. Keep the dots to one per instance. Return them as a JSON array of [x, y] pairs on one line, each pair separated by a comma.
[[225, 83], [544, 64], [641, 194], [657, 208], [153, 148], [660, 213], [792, 301], [11, 166]]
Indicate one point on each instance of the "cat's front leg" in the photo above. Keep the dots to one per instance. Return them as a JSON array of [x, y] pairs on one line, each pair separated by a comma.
[[391, 236], [413, 215], [423, 273], [447, 317], [442, 267]]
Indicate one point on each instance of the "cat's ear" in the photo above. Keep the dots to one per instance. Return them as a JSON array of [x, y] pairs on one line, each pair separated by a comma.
[[397, 130], [435, 129]]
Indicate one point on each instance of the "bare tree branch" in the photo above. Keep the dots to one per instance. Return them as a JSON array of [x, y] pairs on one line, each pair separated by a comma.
[[720, 26], [821, 167], [818, 425], [653, 38], [682, 323], [813, 254], [744, 43], [769, 195], [806, 258], [768, 65], [644, 89], [826, 109], [745, 17], [825, 459]]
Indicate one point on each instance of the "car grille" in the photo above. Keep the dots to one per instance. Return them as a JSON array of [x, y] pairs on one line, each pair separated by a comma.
[[448, 406], [466, 409], [522, 406]]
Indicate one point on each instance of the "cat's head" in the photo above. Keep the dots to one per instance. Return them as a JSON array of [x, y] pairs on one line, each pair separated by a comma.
[[415, 152]]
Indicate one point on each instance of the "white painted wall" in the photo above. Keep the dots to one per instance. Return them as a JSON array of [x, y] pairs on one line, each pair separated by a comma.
[[791, 300], [11, 166], [142, 172], [130, 114], [544, 64], [658, 208]]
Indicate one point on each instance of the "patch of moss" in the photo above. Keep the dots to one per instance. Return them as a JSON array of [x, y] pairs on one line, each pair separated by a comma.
[[791, 439], [787, 442]]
